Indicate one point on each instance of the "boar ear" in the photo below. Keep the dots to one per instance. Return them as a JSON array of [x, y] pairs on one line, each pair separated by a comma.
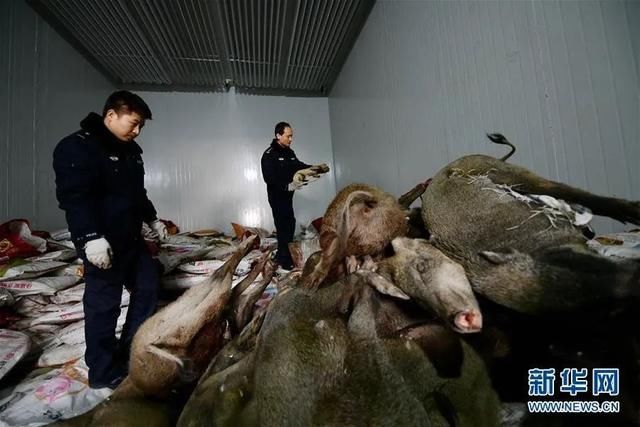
[[384, 285], [362, 197], [343, 227], [499, 257]]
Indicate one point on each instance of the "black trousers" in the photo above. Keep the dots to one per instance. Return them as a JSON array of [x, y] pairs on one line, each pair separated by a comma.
[[106, 357], [285, 222]]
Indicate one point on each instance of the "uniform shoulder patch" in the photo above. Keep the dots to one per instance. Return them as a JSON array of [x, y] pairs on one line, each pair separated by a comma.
[[83, 134]]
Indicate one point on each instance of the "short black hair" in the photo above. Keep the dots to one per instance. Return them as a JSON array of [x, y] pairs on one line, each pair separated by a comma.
[[123, 101], [279, 130]]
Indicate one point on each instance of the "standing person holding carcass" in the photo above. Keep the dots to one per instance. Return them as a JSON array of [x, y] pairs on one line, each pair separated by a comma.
[[100, 186], [284, 173]]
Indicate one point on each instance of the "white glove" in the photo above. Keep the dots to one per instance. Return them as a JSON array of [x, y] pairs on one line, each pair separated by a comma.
[[302, 177], [311, 178], [321, 168], [295, 185], [99, 252], [160, 229], [310, 174]]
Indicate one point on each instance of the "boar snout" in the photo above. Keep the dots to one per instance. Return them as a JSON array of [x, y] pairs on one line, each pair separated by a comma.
[[467, 321]]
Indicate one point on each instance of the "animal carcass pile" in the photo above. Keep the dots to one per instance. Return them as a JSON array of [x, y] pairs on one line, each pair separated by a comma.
[[442, 315], [386, 329]]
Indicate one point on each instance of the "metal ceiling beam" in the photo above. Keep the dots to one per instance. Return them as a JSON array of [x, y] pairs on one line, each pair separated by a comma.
[[44, 12], [286, 40], [149, 17], [360, 17], [263, 46], [144, 87]]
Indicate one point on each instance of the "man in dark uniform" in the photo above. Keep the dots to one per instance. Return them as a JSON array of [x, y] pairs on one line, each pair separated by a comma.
[[100, 186], [279, 164]]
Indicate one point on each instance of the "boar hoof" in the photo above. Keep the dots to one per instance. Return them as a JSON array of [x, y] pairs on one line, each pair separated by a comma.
[[352, 264], [369, 264]]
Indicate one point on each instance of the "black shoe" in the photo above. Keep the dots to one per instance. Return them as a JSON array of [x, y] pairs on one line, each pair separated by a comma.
[[286, 265], [113, 384]]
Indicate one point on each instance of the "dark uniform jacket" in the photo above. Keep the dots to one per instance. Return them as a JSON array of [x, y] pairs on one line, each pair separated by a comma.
[[279, 164], [100, 186]]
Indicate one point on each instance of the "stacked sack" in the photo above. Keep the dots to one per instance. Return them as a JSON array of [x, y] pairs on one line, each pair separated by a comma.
[[42, 341]]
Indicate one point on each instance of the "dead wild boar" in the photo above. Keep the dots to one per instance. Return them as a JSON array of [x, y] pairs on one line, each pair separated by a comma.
[[360, 222], [299, 352], [448, 375], [438, 283], [367, 387], [419, 271], [519, 254], [183, 330], [320, 361]]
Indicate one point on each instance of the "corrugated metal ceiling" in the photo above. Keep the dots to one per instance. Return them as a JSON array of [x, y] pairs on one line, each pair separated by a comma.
[[259, 46]]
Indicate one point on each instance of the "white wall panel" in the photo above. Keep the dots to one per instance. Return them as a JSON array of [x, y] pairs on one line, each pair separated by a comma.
[[46, 88], [202, 152], [633, 17], [6, 35], [427, 79], [374, 135], [202, 156]]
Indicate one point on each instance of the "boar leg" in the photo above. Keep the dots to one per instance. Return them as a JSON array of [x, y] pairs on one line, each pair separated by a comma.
[[530, 183], [247, 281], [166, 337], [558, 279], [328, 259], [178, 323], [410, 196], [244, 303]]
